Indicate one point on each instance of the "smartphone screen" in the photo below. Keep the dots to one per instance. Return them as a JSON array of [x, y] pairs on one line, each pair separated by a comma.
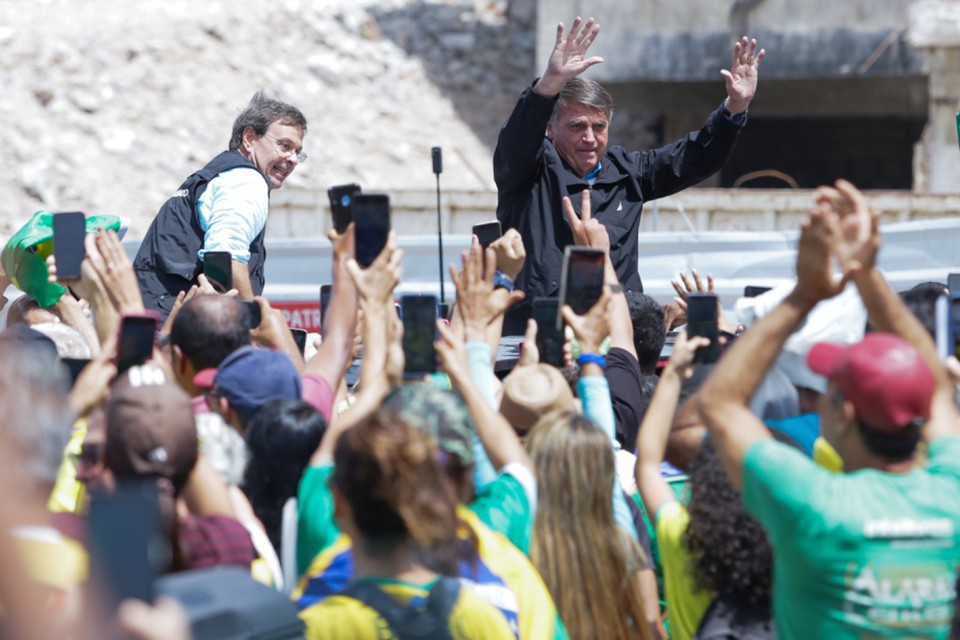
[[487, 233], [702, 321], [419, 333], [341, 204], [947, 314], [254, 313], [371, 216], [300, 337], [218, 267], [549, 338], [68, 231], [325, 291], [751, 291], [581, 283], [136, 339], [128, 549]]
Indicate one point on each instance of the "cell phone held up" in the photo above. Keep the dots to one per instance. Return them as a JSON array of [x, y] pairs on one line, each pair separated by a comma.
[[487, 233], [702, 319], [419, 315], [218, 268], [549, 337], [581, 280], [341, 204], [371, 218], [136, 339], [69, 229]]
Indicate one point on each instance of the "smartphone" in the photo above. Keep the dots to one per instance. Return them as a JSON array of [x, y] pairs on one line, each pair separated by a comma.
[[326, 290], [136, 339], [218, 267], [128, 548], [68, 231], [300, 337], [371, 217], [341, 204], [751, 291], [702, 321], [419, 333], [549, 337], [75, 366], [487, 232], [947, 315], [953, 282], [581, 280], [254, 313]]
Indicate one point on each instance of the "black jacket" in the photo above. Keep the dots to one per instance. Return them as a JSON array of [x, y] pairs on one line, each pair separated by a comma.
[[532, 179], [167, 261]]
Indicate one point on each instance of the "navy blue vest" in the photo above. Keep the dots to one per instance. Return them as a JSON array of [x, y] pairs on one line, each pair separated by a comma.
[[167, 261]]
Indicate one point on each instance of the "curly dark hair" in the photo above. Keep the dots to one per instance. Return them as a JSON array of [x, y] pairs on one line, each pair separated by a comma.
[[729, 551]]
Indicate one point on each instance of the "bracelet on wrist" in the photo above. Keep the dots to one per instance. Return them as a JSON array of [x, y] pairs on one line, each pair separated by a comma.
[[502, 281], [595, 358]]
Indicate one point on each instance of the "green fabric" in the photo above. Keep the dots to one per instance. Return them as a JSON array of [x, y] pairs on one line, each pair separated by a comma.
[[24, 256], [864, 554], [316, 529], [502, 505]]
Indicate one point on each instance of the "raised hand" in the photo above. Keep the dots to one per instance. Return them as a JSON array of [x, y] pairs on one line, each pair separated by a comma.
[[477, 305], [819, 235], [858, 241], [591, 328], [568, 58], [511, 253], [376, 283], [587, 230], [741, 78]]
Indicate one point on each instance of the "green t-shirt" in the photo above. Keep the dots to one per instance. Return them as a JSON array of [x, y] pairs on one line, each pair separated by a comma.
[[316, 529], [866, 554], [504, 505]]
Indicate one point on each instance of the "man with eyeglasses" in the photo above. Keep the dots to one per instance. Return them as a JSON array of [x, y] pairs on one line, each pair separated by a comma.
[[223, 207]]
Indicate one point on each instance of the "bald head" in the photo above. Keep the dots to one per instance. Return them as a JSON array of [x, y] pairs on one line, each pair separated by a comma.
[[209, 328]]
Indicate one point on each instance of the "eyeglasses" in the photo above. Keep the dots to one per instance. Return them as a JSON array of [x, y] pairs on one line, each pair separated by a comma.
[[286, 149]]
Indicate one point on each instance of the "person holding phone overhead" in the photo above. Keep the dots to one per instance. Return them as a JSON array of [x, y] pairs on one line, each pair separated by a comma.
[[223, 206], [534, 172]]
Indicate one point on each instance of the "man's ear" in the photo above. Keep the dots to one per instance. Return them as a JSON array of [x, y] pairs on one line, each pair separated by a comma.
[[179, 362], [250, 136], [550, 131]]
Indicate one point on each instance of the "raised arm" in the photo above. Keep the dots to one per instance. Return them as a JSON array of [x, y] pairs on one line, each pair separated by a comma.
[[857, 251], [725, 396], [655, 428], [333, 357]]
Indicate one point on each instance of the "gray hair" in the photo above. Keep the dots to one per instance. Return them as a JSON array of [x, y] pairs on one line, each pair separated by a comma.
[[586, 92], [261, 113], [36, 418]]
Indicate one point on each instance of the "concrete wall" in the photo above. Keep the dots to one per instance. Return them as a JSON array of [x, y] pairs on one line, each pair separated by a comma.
[[644, 40]]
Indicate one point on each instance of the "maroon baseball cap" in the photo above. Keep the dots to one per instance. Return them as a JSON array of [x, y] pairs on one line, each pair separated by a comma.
[[884, 377]]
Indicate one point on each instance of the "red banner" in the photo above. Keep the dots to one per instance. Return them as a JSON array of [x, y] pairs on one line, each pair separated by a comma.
[[300, 314]]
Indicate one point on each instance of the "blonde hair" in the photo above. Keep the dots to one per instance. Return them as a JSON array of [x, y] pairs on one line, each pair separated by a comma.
[[588, 563]]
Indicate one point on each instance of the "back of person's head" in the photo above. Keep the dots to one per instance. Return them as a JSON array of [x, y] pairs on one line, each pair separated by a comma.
[[280, 438], [443, 415], [209, 328], [260, 113], [389, 473], [576, 540], [37, 418], [589, 93], [889, 385], [530, 392], [251, 377], [649, 329], [729, 550], [70, 343], [150, 428], [26, 310], [922, 302]]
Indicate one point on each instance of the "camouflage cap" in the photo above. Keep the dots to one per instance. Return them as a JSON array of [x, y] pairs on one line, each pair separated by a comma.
[[441, 413]]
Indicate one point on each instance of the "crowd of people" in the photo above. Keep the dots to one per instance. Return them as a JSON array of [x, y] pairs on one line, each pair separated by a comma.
[[800, 487]]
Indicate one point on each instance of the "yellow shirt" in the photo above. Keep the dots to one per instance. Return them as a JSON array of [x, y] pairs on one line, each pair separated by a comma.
[[343, 618], [685, 605]]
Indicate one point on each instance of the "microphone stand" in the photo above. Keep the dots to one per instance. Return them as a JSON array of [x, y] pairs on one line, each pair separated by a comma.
[[438, 169]]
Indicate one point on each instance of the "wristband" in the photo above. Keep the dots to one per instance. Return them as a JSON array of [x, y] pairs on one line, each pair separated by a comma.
[[595, 358], [500, 281]]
